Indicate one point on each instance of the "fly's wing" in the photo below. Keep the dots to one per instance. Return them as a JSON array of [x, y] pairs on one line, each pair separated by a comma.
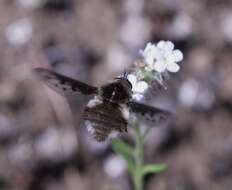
[[151, 114], [62, 84]]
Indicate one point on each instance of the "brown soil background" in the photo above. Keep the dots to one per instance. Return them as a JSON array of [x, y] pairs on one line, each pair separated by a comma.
[[45, 147]]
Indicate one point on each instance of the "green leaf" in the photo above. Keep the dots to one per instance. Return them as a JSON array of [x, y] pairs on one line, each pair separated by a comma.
[[121, 147], [153, 168], [124, 149]]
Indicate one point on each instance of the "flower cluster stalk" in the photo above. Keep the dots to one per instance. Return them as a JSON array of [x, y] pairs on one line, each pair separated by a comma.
[[134, 157], [138, 176]]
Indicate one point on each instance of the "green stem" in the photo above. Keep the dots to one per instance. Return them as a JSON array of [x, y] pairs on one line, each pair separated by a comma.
[[138, 176]]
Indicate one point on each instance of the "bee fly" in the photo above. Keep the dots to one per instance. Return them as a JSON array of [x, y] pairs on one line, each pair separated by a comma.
[[110, 108]]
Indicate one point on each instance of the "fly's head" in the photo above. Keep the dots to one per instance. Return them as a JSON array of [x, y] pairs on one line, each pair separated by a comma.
[[124, 82]]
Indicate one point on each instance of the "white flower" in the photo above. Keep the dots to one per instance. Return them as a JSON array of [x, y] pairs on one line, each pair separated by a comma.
[[31, 4], [149, 54], [162, 57], [19, 32], [138, 87], [114, 166], [170, 57]]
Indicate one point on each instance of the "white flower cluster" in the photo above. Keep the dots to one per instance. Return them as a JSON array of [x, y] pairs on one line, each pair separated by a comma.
[[157, 60], [162, 57]]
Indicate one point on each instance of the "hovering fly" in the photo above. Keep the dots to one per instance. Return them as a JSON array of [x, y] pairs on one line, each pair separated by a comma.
[[109, 110]]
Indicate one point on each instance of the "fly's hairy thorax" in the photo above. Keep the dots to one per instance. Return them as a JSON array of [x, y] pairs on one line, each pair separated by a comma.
[[117, 92]]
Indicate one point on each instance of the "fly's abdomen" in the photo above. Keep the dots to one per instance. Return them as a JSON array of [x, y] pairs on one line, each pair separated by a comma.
[[103, 119]]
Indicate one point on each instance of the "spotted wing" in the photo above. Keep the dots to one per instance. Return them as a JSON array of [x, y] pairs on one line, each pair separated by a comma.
[[62, 84], [154, 115], [104, 119]]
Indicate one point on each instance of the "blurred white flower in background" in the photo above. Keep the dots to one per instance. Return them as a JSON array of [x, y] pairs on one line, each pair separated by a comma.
[[56, 144], [226, 25], [19, 32], [181, 27], [193, 93], [114, 166], [21, 152], [162, 57], [132, 31], [31, 4]]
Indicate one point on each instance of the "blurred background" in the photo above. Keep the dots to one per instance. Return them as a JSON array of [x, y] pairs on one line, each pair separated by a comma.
[[43, 142]]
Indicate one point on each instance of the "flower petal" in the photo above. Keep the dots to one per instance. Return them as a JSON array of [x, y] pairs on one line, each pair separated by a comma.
[[173, 67], [170, 58], [132, 79], [149, 59], [161, 44], [178, 55], [150, 53], [148, 47], [160, 66], [137, 96], [169, 46], [166, 45], [141, 86]]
